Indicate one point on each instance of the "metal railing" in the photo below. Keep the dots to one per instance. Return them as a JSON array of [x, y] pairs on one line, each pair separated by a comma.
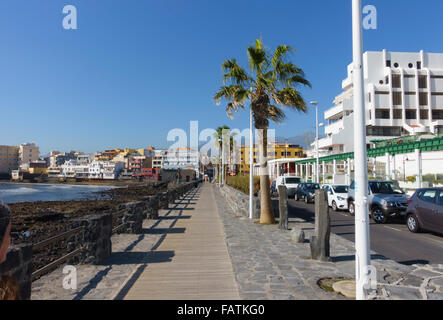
[[54, 264]]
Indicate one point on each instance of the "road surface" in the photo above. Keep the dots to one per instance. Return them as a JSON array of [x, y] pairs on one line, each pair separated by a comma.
[[393, 240]]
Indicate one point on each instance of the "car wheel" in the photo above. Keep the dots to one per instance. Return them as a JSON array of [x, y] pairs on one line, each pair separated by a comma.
[[412, 223], [378, 215], [334, 206], [352, 208]]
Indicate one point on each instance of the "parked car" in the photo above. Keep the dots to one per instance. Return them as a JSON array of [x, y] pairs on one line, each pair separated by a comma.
[[385, 200], [306, 191], [337, 196], [425, 210], [291, 183]]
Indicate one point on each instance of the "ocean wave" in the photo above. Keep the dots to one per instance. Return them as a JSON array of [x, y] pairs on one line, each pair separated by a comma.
[[21, 190]]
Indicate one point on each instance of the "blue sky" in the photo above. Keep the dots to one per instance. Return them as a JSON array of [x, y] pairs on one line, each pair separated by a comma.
[[137, 68]]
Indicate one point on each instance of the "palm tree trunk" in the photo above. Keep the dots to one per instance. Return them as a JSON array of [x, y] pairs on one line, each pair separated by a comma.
[[266, 212]]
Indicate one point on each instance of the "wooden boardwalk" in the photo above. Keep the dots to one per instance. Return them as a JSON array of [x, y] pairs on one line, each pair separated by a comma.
[[200, 267]]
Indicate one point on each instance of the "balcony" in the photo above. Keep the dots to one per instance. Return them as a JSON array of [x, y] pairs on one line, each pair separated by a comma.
[[334, 128]]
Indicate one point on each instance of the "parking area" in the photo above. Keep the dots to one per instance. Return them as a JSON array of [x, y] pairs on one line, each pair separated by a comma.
[[392, 240]]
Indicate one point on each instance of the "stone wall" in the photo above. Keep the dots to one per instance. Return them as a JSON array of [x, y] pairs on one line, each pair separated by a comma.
[[18, 265], [239, 202], [95, 239]]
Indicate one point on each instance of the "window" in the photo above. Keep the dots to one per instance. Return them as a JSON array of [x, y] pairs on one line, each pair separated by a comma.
[[429, 196], [396, 65], [411, 114], [383, 131], [419, 65], [382, 114], [440, 199], [437, 114], [387, 80], [341, 189], [396, 99], [396, 81], [388, 63], [398, 114], [422, 82], [423, 99], [410, 65], [424, 114]]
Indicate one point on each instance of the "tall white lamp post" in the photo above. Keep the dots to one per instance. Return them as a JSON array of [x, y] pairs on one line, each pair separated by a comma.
[[251, 167], [317, 174], [362, 245]]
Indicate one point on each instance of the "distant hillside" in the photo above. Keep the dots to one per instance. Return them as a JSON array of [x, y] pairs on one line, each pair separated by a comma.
[[304, 139]]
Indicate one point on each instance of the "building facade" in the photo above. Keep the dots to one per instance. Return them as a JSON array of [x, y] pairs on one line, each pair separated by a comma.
[[9, 159], [28, 152], [181, 158], [403, 96], [275, 151]]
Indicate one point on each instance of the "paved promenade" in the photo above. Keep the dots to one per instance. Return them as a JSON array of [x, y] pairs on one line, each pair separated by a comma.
[[268, 265], [200, 267]]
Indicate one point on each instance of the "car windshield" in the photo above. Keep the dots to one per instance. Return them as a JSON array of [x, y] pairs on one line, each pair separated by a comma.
[[384, 188], [292, 180], [312, 186], [341, 189]]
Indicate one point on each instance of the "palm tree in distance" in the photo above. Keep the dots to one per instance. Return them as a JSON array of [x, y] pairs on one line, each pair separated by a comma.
[[218, 136], [272, 85]]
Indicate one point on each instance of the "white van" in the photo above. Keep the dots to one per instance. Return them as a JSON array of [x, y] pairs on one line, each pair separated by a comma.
[[291, 183]]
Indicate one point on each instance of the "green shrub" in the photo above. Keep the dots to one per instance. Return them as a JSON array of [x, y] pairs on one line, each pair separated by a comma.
[[241, 183]]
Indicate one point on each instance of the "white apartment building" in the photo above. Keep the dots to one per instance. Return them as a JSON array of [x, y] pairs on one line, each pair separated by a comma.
[[74, 169], [157, 161], [182, 158], [95, 170], [111, 170], [28, 152], [403, 96]]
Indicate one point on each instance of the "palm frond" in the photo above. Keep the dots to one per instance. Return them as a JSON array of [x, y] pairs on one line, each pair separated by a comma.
[[233, 73], [276, 114], [291, 98], [280, 53]]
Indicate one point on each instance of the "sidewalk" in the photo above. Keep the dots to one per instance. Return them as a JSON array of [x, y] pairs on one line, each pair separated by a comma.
[[268, 265], [199, 267]]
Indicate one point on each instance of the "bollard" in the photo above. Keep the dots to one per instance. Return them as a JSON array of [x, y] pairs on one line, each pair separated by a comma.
[[283, 207], [320, 249]]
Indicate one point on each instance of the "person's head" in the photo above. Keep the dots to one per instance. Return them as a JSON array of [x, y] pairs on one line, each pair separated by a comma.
[[5, 229]]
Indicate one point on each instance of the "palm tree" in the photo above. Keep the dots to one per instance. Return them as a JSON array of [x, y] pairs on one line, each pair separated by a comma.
[[272, 85], [218, 136]]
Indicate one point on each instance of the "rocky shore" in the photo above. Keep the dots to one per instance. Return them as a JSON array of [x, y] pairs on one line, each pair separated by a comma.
[[33, 222]]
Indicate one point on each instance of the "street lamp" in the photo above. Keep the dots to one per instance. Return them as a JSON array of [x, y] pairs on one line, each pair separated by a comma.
[[317, 174], [251, 165], [362, 244]]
